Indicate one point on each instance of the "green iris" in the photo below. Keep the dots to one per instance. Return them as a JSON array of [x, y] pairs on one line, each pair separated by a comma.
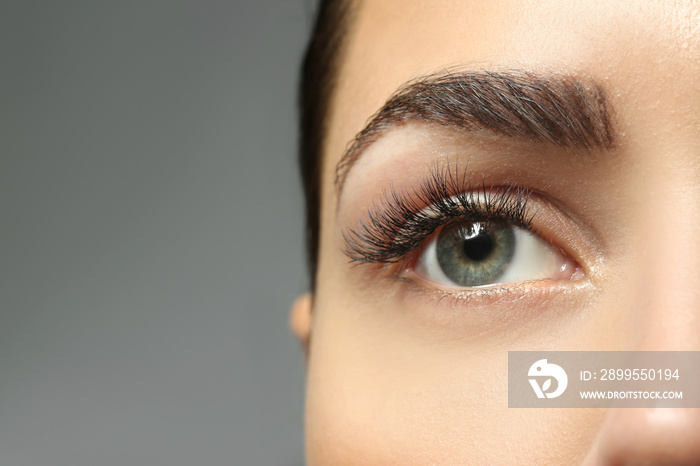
[[475, 253]]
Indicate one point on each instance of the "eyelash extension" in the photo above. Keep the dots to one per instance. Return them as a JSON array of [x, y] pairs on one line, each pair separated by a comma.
[[400, 223]]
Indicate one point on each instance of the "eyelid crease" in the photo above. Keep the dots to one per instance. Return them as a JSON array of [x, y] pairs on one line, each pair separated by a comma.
[[399, 223]]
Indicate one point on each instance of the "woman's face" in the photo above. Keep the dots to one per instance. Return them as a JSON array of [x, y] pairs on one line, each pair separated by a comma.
[[598, 215]]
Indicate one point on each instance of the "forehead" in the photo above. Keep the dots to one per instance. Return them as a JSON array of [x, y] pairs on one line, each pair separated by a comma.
[[632, 47]]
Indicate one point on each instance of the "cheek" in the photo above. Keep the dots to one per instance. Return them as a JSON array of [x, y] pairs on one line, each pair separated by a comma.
[[381, 391]]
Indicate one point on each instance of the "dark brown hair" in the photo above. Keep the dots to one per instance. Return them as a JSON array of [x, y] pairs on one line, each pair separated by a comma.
[[318, 75]]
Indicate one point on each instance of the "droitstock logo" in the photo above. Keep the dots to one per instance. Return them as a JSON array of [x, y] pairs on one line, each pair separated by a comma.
[[546, 372]]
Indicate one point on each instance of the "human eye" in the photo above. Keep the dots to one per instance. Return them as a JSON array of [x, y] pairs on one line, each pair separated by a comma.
[[469, 253], [454, 233]]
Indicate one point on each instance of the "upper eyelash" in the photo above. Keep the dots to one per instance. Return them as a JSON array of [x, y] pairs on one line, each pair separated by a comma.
[[401, 221]]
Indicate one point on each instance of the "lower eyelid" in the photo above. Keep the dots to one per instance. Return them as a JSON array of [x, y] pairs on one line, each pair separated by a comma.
[[485, 315], [492, 308]]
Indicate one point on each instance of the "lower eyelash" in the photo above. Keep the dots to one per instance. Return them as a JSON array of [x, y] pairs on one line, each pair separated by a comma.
[[401, 220]]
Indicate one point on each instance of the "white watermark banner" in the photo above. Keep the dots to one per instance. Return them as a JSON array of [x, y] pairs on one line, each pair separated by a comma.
[[604, 379]]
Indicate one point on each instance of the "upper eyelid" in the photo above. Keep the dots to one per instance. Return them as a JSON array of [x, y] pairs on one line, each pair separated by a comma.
[[447, 188], [440, 222]]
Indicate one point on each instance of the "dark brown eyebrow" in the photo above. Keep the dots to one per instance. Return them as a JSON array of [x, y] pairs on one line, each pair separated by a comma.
[[559, 109]]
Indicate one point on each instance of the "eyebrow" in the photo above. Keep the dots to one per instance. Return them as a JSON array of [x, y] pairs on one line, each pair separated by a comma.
[[564, 110]]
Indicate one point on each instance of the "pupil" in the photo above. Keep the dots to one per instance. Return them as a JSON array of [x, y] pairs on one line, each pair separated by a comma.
[[478, 247]]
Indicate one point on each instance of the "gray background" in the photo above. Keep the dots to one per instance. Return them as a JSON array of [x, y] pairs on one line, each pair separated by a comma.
[[151, 226]]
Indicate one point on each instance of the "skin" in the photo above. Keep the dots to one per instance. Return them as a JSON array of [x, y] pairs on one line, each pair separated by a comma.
[[397, 375]]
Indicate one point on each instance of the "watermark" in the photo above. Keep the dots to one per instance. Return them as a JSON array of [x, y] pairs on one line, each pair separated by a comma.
[[601, 379], [550, 372]]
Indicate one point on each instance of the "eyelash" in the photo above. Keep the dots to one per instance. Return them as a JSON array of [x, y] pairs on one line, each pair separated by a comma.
[[398, 225]]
